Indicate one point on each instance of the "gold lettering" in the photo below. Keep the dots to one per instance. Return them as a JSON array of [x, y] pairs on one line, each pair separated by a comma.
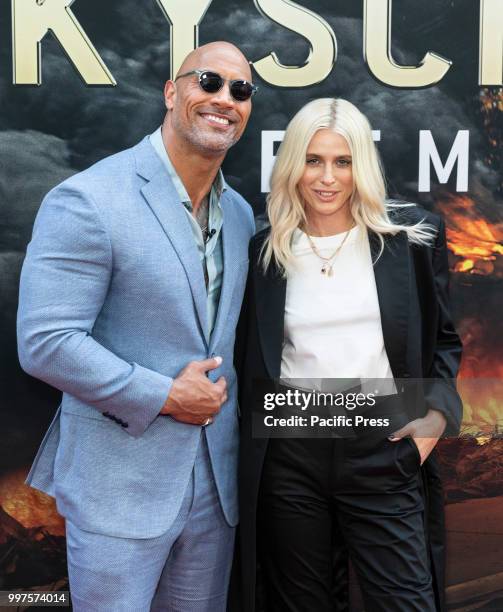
[[491, 43], [184, 19], [378, 57], [31, 20], [319, 34]]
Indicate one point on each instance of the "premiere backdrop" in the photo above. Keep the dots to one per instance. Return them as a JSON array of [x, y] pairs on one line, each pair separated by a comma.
[[438, 124]]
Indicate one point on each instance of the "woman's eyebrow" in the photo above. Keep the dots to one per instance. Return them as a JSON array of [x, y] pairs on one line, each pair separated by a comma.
[[344, 156]]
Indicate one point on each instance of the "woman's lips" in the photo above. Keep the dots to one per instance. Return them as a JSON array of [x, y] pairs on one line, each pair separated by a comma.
[[326, 196]]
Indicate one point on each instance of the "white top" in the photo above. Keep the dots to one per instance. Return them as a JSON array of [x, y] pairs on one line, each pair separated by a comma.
[[333, 323]]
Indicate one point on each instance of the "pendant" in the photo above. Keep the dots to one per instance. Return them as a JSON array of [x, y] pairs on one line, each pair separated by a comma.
[[324, 270]]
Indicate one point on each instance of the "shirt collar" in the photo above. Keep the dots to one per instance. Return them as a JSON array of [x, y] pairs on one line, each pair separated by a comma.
[[219, 184]]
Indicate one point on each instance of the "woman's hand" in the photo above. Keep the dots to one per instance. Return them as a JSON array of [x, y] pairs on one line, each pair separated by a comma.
[[425, 432]]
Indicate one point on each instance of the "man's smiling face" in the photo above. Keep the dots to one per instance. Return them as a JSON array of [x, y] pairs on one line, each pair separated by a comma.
[[209, 122]]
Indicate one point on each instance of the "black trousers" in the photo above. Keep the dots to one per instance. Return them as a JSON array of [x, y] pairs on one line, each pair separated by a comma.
[[369, 490]]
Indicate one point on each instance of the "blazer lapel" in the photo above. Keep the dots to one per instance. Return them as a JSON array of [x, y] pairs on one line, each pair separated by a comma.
[[270, 301], [392, 277], [164, 202], [229, 248]]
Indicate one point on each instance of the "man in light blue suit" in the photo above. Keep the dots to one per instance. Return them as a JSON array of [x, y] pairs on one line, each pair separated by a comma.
[[129, 299]]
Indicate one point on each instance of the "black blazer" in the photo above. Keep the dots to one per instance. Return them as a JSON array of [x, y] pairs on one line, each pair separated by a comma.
[[420, 341]]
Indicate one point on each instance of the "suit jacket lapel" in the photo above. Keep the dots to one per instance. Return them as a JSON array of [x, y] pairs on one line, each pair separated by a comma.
[[164, 202], [270, 302], [229, 248], [392, 277]]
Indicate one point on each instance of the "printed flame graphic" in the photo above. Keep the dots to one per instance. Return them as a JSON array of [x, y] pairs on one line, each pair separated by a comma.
[[475, 242], [28, 506], [482, 409], [476, 247]]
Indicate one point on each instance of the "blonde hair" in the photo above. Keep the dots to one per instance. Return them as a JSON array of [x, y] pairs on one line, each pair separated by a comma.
[[368, 204]]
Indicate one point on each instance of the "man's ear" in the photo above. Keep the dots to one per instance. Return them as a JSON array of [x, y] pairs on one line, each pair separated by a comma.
[[169, 94]]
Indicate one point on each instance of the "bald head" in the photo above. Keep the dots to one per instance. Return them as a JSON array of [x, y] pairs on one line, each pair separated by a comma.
[[203, 57], [208, 121]]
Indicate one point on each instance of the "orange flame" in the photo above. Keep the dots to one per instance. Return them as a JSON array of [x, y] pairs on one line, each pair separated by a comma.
[[482, 405], [474, 241], [28, 506]]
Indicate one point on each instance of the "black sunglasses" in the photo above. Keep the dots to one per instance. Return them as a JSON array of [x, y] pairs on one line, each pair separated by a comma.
[[211, 82]]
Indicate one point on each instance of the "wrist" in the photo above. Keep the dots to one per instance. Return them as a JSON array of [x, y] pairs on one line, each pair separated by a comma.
[[437, 420], [166, 407], [169, 405]]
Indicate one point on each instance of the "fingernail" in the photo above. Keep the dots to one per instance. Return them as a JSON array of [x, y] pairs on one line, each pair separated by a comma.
[[218, 360], [392, 437]]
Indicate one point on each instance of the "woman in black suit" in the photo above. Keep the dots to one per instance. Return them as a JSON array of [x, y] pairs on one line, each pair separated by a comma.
[[345, 285]]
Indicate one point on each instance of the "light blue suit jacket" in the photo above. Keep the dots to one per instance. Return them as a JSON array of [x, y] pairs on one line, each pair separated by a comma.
[[112, 307]]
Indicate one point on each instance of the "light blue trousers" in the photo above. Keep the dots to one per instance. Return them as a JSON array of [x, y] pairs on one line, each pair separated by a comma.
[[186, 569]]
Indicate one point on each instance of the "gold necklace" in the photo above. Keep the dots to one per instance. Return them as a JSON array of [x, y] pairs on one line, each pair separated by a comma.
[[327, 267]]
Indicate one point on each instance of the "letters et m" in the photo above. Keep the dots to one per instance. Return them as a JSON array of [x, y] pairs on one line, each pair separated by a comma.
[[429, 156]]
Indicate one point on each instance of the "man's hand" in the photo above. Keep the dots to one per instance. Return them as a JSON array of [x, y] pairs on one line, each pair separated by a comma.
[[425, 432], [193, 398]]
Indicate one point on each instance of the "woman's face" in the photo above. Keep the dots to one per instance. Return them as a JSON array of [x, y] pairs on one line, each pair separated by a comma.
[[327, 183]]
